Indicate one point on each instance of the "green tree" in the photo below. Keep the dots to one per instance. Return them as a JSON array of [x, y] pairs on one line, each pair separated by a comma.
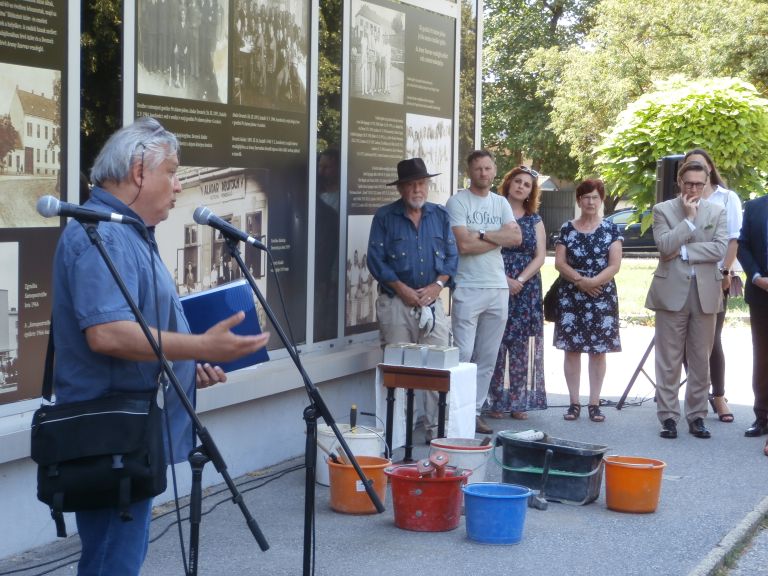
[[329, 76], [632, 45], [725, 116], [8, 138], [101, 79], [516, 107]]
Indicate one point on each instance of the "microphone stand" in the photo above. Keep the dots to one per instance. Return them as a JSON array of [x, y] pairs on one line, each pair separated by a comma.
[[317, 407], [208, 449]]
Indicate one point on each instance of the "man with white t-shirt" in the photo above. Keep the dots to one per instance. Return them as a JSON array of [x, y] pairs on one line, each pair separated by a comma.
[[482, 222]]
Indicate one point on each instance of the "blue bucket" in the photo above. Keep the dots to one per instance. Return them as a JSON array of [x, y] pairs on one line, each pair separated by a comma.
[[495, 512]]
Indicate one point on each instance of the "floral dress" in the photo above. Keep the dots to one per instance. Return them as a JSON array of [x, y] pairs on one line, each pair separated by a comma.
[[523, 339], [585, 323]]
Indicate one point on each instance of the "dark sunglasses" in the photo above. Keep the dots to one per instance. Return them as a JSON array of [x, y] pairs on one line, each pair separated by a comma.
[[530, 171]]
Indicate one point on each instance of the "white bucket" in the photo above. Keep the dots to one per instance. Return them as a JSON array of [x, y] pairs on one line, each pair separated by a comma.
[[465, 453], [363, 441]]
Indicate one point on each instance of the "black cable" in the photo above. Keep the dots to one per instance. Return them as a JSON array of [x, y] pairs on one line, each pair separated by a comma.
[[163, 382], [267, 478], [41, 564], [279, 291]]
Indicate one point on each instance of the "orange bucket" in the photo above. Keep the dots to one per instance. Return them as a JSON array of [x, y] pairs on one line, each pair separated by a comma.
[[632, 484], [348, 494]]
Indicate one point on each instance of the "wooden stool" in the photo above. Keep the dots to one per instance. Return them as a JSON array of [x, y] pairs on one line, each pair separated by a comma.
[[412, 378]]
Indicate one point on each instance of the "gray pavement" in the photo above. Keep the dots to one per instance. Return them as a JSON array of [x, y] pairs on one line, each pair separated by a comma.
[[713, 497]]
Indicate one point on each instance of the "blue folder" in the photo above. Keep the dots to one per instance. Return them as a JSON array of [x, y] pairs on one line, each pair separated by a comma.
[[204, 309]]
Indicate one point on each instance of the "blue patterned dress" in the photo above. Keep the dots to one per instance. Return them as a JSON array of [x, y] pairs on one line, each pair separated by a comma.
[[585, 323], [523, 339]]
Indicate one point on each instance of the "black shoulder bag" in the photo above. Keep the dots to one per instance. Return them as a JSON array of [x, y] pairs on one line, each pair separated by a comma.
[[550, 300], [102, 453]]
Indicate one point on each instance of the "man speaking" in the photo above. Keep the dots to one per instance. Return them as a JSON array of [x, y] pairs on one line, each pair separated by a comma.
[[100, 347]]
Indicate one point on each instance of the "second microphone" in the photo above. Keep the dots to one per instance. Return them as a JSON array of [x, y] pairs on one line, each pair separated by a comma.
[[203, 215]]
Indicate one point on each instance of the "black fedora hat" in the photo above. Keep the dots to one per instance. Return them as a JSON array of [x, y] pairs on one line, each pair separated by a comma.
[[411, 169]]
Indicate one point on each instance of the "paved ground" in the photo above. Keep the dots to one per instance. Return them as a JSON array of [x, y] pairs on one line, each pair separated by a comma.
[[713, 495]]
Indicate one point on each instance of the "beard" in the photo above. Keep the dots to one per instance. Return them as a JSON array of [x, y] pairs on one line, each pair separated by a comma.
[[416, 204]]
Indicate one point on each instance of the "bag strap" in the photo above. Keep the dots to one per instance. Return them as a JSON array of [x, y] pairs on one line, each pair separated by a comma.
[[48, 372], [58, 515]]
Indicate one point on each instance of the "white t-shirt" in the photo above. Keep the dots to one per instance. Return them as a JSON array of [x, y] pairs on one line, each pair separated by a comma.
[[732, 204], [488, 212]]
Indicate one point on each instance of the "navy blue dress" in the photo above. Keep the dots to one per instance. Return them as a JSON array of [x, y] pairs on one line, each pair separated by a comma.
[[523, 339], [585, 323]]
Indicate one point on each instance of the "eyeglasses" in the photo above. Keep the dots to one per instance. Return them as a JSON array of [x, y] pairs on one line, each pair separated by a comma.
[[698, 186], [530, 171]]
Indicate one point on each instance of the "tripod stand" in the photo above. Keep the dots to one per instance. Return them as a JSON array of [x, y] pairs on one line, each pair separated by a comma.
[[640, 368], [208, 449], [317, 407]]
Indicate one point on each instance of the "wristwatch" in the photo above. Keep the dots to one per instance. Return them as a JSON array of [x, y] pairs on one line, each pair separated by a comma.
[[440, 283], [725, 272], [482, 234]]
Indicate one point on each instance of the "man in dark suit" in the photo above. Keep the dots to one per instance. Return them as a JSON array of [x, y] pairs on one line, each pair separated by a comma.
[[753, 256], [691, 235]]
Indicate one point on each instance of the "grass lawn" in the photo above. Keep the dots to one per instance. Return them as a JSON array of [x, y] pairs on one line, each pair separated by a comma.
[[633, 281]]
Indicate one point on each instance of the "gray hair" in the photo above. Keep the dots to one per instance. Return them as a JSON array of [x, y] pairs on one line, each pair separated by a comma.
[[145, 139]]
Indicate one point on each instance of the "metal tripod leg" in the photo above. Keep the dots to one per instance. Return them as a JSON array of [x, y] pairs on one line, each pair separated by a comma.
[[640, 368]]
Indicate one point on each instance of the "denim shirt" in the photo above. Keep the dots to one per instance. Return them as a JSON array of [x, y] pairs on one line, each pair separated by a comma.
[[85, 295], [397, 250]]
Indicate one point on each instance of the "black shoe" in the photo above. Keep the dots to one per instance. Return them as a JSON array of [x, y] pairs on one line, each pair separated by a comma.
[[481, 426], [759, 428], [668, 429], [698, 429]]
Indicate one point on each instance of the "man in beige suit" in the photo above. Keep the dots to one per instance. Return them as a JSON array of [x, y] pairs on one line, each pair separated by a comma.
[[686, 294]]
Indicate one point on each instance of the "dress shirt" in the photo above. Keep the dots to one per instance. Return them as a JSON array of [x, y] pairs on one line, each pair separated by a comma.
[[397, 250]]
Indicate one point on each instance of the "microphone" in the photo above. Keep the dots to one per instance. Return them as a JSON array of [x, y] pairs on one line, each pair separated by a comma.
[[203, 215], [49, 206]]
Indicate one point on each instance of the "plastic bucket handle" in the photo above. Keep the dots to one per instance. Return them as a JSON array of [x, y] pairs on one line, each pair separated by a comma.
[[483, 463], [335, 443], [552, 471]]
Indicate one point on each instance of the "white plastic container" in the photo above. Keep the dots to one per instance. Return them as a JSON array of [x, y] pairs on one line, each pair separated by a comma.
[[465, 453], [363, 441]]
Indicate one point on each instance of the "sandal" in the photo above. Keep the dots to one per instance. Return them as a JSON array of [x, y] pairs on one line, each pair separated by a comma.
[[573, 412], [595, 414], [720, 407], [519, 415]]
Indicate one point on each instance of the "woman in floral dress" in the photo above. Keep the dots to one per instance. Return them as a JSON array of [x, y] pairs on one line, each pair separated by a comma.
[[588, 256], [523, 336]]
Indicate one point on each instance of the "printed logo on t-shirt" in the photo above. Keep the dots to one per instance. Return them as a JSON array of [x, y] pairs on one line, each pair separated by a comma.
[[482, 218]]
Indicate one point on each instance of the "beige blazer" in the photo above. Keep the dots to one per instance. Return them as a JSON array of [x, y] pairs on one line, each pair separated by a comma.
[[706, 247]]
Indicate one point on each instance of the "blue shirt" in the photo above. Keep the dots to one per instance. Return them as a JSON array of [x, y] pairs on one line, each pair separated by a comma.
[[397, 250], [85, 295]]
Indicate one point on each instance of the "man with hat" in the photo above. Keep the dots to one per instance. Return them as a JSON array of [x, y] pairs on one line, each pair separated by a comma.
[[412, 254]]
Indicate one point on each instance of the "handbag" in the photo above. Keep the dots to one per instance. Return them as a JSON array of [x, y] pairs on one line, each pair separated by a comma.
[[550, 300], [736, 289], [101, 453]]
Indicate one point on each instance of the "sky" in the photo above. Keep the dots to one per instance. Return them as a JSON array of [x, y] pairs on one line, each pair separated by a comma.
[[38, 79]]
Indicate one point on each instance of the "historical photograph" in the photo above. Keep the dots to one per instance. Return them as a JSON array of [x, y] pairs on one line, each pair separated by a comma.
[[9, 318], [361, 288], [269, 54], [30, 143], [377, 55], [198, 255], [429, 138], [182, 49]]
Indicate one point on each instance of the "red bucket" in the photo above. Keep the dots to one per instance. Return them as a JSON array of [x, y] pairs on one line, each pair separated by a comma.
[[426, 504]]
